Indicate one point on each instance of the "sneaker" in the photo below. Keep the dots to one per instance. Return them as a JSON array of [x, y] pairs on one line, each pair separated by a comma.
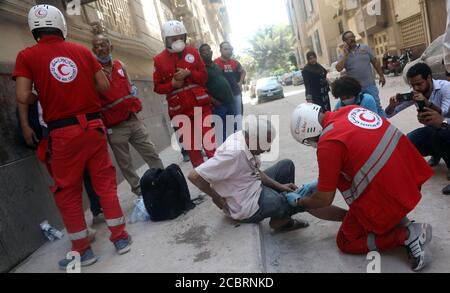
[[419, 236], [434, 161], [88, 258], [124, 245], [99, 219]]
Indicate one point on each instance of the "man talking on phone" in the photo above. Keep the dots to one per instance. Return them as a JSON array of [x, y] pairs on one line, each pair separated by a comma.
[[432, 99], [357, 60]]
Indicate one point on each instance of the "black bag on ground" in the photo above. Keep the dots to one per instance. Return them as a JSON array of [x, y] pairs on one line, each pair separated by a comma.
[[165, 193]]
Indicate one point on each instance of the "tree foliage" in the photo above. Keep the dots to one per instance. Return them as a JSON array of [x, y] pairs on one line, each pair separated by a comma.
[[272, 48]]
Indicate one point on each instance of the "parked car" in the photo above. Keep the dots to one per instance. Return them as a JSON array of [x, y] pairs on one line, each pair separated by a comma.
[[269, 89], [433, 57], [297, 78], [286, 79]]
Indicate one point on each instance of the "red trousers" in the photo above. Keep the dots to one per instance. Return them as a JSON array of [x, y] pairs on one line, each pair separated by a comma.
[[199, 134], [74, 149], [354, 238]]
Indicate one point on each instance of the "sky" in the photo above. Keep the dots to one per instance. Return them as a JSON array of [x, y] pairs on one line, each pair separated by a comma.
[[247, 16]]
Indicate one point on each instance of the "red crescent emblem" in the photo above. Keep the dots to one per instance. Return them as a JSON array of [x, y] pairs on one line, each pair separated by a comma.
[[362, 117], [41, 13], [60, 70]]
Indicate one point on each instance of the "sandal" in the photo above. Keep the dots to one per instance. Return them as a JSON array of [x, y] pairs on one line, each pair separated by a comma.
[[293, 225]]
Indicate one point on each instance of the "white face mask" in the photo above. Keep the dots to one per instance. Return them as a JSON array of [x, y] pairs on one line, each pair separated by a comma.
[[178, 46]]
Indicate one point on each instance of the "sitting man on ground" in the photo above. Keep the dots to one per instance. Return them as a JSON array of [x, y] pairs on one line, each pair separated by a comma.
[[233, 179]]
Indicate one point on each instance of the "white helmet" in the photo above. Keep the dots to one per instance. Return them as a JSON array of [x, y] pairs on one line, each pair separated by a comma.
[[172, 28], [47, 16], [305, 122]]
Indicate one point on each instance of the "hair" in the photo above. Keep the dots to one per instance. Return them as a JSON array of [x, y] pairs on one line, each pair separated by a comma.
[[310, 54], [421, 69], [344, 34], [346, 87], [46, 31], [203, 46], [224, 43], [104, 37]]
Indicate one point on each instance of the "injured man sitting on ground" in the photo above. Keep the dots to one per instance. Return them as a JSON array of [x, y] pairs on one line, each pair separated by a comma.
[[233, 179]]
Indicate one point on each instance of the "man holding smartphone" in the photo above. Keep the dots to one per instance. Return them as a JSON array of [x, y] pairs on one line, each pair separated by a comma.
[[357, 60], [432, 98]]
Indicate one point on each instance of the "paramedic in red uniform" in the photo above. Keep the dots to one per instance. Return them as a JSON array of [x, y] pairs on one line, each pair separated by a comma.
[[119, 108], [377, 170], [181, 75], [66, 77]]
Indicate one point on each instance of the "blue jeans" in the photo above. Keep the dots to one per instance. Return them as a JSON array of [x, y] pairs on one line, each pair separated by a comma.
[[374, 92], [222, 129], [430, 141], [273, 204]]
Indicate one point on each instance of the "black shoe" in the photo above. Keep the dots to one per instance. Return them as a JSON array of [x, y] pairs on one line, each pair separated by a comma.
[[446, 190], [434, 161]]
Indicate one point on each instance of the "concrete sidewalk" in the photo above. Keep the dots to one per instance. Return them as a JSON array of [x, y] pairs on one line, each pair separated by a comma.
[[201, 241]]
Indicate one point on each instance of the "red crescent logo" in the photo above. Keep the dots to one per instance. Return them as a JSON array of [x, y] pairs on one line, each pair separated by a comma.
[[363, 118], [41, 13], [60, 70]]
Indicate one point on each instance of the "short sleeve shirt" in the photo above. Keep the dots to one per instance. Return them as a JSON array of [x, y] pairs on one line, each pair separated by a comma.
[[63, 74], [359, 66]]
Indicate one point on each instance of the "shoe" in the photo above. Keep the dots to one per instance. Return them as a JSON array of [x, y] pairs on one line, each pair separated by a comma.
[[434, 161], [123, 246], [293, 225], [99, 219], [88, 258], [419, 236], [446, 190]]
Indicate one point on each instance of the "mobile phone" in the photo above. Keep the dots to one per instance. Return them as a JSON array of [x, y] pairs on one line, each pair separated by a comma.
[[405, 97], [421, 105]]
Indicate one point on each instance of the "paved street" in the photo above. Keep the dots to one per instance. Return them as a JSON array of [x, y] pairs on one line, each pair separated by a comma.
[[314, 249], [205, 241]]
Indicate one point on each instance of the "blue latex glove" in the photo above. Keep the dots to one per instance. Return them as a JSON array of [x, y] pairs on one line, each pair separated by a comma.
[[308, 189], [134, 91], [305, 191]]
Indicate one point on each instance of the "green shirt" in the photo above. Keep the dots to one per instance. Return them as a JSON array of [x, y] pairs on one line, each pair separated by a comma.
[[217, 85]]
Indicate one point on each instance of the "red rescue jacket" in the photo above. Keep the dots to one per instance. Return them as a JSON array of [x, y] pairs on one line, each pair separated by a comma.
[[117, 102], [193, 93]]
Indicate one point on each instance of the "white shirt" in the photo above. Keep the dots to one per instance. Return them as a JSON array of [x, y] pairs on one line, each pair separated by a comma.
[[233, 173]]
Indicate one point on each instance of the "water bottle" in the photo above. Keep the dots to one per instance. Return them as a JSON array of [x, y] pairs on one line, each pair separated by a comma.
[[51, 233]]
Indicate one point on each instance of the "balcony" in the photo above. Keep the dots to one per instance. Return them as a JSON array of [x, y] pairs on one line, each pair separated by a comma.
[[371, 23], [183, 8]]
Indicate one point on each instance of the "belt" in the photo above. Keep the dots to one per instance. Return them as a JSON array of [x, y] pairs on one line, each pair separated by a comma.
[[116, 102], [71, 121]]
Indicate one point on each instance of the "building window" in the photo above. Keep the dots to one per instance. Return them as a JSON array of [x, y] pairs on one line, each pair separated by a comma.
[[341, 27], [115, 15], [317, 45], [412, 31]]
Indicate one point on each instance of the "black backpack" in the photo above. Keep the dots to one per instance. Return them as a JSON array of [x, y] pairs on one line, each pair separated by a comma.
[[165, 193]]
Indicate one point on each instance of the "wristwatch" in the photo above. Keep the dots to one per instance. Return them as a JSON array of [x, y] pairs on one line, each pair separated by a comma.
[[444, 125]]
